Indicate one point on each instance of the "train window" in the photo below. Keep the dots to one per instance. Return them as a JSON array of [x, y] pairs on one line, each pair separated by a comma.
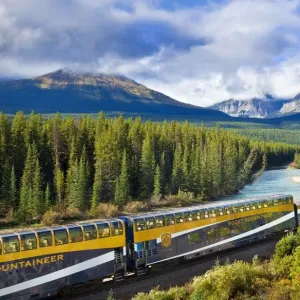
[[90, 232], [253, 206], [139, 224], [206, 214], [202, 214], [11, 244], [28, 242], [228, 210], [196, 215], [212, 213], [259, 205], [220, 212], [103, 230], [116, 228], [188, 216], [60, 237], [150, 223], [159, 221], [75, 235], [179, 218], [275, 202], [45, 239], [235, 209], [241, 208], [170, 220]]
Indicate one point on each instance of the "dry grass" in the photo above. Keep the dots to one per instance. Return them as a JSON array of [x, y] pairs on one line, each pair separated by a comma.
[[72, 214], [135, 206], [51, 217], [106, 210]]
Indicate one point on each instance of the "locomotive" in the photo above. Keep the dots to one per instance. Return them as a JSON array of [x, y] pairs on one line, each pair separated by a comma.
[[45, 262]]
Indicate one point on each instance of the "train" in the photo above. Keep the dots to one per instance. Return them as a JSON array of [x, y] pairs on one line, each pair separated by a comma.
[[46, 262]]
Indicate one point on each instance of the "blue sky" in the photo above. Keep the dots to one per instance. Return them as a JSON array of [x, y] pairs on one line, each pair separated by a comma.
[[196, 51]]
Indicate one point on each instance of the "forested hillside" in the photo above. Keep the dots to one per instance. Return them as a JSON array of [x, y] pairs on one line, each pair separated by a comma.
[[271, 135], [79, 163]]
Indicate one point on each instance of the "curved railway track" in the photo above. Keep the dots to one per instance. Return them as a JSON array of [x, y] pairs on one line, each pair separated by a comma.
[[174, 274]]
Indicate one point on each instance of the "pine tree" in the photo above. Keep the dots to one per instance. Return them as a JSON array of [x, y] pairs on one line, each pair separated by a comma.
[[13, 193], [37, 191], [59, 182], [147, 168], [5, 202], [177, 170], [47, 197], [157, 182], [122, 183], [27, 202]]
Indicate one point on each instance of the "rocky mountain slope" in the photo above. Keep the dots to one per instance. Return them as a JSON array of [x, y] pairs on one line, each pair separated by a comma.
[[70, 92], [268, 107]]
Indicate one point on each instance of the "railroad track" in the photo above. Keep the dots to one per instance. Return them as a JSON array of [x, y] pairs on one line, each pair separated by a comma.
[[170, 275]]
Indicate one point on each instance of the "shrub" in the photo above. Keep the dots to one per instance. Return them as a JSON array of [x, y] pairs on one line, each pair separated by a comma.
[[106, 210], [226, 282], [175, 293], [72, 213], [286, 246], [51, 217], [280, 290], [135, 206]]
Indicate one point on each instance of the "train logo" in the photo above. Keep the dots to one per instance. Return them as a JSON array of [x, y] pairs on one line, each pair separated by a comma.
[[166, 240]]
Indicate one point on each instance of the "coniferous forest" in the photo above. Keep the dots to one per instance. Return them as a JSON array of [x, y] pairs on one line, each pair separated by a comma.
[[81, 163]]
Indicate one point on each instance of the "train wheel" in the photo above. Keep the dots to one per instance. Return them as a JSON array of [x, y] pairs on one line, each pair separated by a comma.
[[65, 291]]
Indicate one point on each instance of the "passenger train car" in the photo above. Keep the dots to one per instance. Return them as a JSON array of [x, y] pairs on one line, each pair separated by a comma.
[[43, 262]]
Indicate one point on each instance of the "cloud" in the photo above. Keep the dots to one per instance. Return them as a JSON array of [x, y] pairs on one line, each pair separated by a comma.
[[199, 52]]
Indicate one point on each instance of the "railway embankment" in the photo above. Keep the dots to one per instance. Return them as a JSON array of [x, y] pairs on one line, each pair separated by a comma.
[[177, 275]]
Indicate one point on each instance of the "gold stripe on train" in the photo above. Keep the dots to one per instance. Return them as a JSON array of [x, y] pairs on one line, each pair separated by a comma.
[[151, 234], [97, 244]]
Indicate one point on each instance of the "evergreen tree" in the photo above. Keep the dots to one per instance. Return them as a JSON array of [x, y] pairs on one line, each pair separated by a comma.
[[47, 197], [37, 191], [122, 183], [13, 193], [5, 202], [157, 182], [27, 209], [59, 182], [147, 168]]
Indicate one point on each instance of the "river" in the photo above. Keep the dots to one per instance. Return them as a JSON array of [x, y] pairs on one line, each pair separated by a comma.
[[277, 181]]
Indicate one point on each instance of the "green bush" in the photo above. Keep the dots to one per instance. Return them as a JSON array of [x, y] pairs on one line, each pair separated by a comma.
[[226, 282], [175, 293], [286, 245]]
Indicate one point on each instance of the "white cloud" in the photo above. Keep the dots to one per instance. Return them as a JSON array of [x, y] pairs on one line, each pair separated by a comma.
[[237, 49]]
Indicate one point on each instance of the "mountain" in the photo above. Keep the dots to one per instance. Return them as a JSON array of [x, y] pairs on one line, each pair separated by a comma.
[[254, 108], [71, 92], [268, 107]]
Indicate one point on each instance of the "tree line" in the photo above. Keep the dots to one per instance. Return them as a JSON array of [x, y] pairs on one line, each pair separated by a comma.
[[79, 163]]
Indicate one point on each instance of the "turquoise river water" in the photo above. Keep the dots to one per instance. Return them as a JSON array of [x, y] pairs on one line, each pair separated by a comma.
[[286, 181]]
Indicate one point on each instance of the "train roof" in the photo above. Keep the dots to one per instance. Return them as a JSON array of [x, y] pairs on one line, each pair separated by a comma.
[[215, 205], [21, 231], [218, 204]]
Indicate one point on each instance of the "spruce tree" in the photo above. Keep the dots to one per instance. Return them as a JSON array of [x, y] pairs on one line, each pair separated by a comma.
[[13, 193], [47, 197], [59, 182], [147, 168], [157, 182], [37, 191], [122, 183]]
